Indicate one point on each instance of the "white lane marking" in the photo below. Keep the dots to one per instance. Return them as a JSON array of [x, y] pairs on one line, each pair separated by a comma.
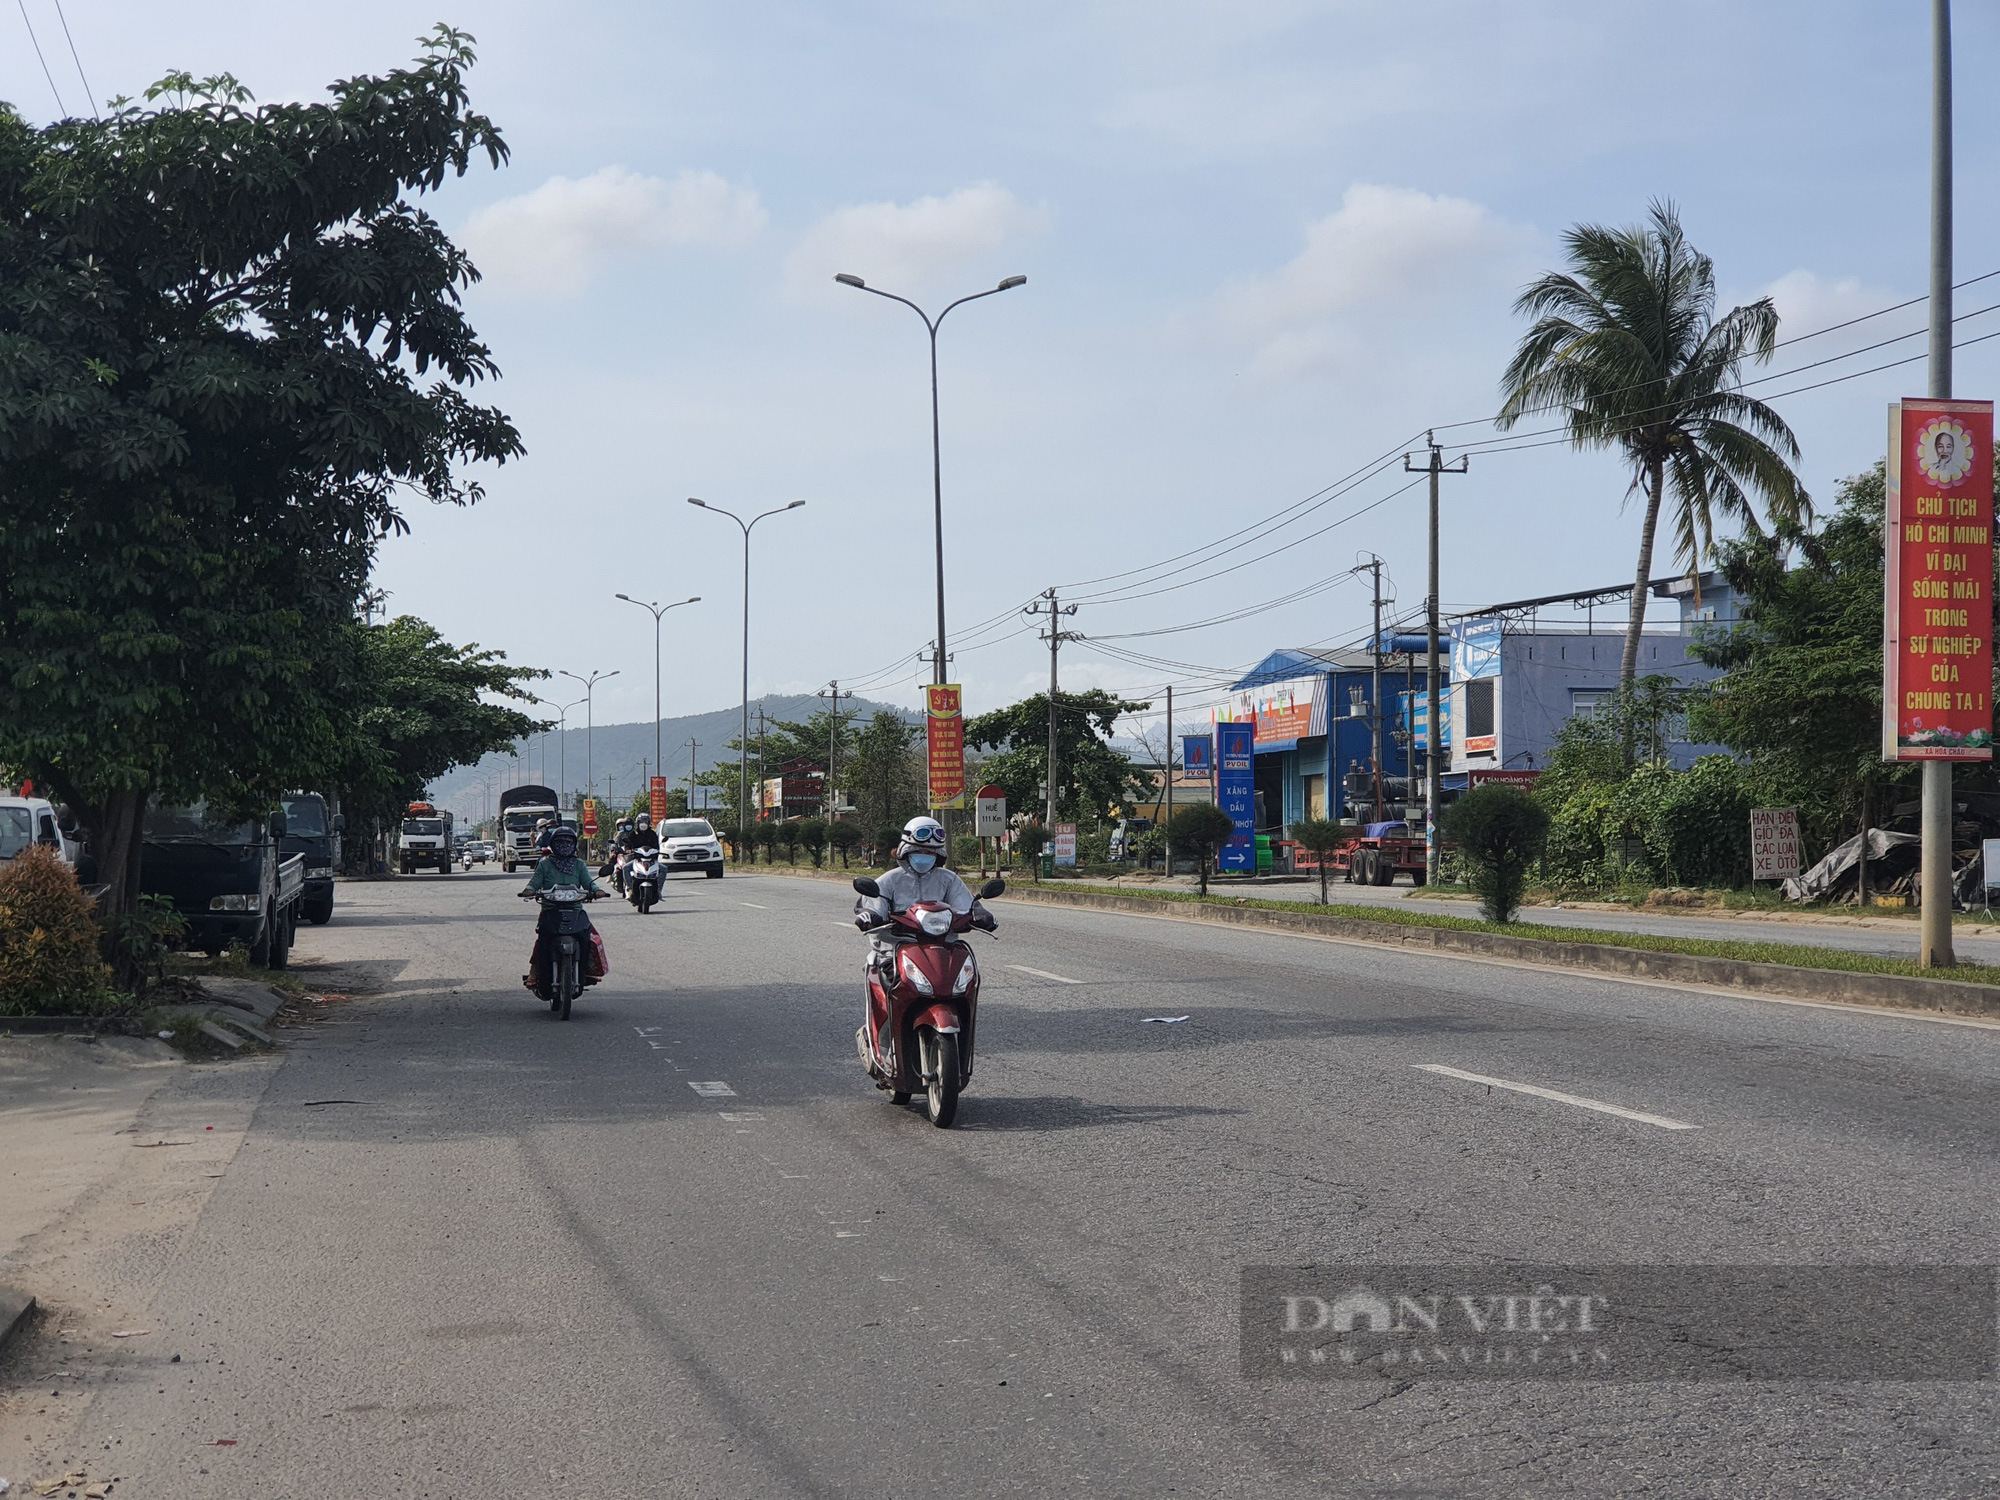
[[757, 904], [715, 1089], [738, 1115], [1541, 1093], [1045, 974]]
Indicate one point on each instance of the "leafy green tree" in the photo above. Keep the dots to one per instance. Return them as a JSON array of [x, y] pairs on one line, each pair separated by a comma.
[[1801, 694], [1098, 778], [419, 706], [1500, 832], [1626, 345], [845, 837], [1200, 830], [812, 833], [227, 339], [764, 835], [887, 775], [1320, 837], [1030, 839], [787, 832]]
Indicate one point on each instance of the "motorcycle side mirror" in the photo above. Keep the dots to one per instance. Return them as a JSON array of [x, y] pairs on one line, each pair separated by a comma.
[[866, 886], [994, 887], [340, 822]]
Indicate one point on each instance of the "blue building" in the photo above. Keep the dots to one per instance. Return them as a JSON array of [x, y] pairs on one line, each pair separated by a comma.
[[1315, 723]]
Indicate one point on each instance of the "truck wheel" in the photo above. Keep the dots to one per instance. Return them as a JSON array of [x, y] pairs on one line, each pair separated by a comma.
[[1419, 876], [319, 916], [1384, 870], [281, 940], [445, 868], [260, 949]]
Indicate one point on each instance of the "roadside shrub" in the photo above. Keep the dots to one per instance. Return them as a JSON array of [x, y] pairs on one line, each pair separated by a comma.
[[786, 832], [1199, 831], [50, 961], [846, 838], [1320, 837], [967, 851], [811, 832], [1500, 831], [1029, 841], [141, 939]]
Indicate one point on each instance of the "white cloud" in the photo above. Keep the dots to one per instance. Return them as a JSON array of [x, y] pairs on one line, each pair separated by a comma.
[[552, 241], [905, 245], [1808, 302], [1386, 257]]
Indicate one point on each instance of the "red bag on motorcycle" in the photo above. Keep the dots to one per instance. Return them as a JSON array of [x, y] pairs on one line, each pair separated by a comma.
[[597, 963]]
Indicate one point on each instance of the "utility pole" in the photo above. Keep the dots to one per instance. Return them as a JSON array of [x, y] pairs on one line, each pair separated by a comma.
[[1055, 635], [1375, 652], [832, 690], [760, 764], [1934, 949], [1168, 836], [1434, 466], [693, 746]]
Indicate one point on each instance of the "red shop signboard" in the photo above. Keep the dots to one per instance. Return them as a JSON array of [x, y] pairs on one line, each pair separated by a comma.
[[1937, 614]]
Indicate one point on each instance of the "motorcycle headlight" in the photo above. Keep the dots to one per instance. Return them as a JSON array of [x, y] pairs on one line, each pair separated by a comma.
[[919, 981], [967, 972], [936, 923]]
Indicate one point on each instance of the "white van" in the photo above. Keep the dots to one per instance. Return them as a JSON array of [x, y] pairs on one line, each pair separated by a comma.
[[26, 821]]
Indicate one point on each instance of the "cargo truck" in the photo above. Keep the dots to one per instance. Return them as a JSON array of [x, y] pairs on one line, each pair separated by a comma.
[[521, 808], [425, 841]]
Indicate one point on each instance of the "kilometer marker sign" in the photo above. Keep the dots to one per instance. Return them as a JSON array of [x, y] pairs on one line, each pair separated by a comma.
[[1937, 615]]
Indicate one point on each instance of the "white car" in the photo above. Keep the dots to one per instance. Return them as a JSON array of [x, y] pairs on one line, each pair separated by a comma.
[[690, 844]]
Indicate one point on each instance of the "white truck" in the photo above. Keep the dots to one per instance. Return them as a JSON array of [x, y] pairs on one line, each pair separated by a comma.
[[27, 821], [425, 841], [521, 809]]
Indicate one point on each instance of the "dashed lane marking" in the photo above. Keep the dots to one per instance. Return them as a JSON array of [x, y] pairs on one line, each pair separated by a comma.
[[756, 904], [1045, 974], [713, 1089], [1576, 1099]]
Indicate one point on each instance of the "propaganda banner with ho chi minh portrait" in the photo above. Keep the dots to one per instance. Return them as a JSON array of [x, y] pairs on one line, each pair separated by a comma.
[[1937, 580]]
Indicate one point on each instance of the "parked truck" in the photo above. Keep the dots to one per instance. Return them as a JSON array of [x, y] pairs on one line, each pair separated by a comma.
[[312, 833], [425, 841], [229, 879], [521, 808]]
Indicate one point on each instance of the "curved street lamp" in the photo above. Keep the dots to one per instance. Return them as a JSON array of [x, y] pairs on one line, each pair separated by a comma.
[[589, 719], [743, 752], [937, 462]]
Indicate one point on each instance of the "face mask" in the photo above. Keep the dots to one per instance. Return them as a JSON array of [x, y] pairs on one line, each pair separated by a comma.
[[922, 863]]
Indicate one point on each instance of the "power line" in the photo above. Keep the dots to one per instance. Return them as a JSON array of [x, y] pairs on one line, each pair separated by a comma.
[[89, 94], [61, 108]]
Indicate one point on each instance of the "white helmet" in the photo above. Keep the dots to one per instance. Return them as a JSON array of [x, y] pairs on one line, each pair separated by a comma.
[[922, 835]]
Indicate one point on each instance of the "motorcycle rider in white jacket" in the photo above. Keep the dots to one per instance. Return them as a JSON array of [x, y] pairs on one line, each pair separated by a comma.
[[919, 875]]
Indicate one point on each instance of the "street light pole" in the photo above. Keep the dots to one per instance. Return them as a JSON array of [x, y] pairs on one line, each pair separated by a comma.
[[1934, 944], [590, 720], [658, 609], [743, 753], [937, 459]]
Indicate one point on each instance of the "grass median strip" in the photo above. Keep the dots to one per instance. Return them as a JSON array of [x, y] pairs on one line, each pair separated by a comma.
[[1793, 955]]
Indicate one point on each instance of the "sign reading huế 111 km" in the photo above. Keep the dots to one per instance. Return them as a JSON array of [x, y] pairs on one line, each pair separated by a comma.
[[1937, 615]]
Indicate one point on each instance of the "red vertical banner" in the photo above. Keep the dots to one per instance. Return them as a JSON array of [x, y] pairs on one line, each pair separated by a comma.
[[1937, 579], [944, 724], [659, 798]]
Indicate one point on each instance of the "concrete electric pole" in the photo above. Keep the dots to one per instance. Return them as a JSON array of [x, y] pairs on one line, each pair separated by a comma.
[[1433, 466], [1055, 635]]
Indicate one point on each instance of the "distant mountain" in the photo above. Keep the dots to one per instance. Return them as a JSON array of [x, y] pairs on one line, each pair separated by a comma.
[[616, 750]]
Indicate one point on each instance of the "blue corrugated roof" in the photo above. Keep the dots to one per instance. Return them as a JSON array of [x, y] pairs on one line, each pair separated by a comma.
[[1288, 661]]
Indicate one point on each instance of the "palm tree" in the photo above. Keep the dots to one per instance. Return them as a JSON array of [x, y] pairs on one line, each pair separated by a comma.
[[1627, 344]]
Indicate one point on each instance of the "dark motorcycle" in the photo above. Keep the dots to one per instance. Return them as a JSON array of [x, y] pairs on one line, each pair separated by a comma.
[[562, 935], [923, 1003]]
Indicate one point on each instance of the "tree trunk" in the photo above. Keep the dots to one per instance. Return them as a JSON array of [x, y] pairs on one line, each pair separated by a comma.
[[1655, 482]]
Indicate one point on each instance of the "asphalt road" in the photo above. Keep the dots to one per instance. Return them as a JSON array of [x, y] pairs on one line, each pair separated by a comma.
[[468, 1250]]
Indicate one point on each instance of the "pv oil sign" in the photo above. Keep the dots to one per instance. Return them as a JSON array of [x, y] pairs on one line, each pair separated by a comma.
[[1236, 793]]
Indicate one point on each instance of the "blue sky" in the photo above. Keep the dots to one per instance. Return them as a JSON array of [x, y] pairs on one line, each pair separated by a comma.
[[1266, 243]]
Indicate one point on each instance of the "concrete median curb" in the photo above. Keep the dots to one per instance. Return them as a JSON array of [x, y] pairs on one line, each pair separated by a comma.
[[1836, 986]]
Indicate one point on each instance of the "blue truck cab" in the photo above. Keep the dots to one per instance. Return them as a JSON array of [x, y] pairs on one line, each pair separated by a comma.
[[229, 879], [314, 834]]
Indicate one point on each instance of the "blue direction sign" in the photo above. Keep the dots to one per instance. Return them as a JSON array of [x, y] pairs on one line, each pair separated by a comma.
[[1236, 793]]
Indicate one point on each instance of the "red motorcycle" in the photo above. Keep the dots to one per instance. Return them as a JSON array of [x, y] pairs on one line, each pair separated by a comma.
[[923, 1004]]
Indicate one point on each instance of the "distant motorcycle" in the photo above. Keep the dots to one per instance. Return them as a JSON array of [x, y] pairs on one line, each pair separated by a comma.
[[923, 1005], [642, 879]]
